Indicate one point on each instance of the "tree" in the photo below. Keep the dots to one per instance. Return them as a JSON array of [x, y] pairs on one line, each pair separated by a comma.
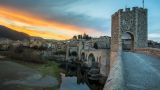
[[19, 49], [79, 36], [84, 36], [74, 37]]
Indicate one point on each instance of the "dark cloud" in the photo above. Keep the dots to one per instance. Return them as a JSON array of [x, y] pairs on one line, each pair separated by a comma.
[[35, 3], [80, 20]]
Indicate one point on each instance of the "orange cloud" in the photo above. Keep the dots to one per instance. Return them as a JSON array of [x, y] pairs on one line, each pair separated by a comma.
[[24, 17], [45, 35]]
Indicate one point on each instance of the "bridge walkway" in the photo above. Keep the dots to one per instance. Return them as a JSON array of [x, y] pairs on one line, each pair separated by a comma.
[[141, 72]]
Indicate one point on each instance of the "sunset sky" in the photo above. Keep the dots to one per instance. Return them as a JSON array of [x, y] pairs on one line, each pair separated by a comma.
[[61, 19]]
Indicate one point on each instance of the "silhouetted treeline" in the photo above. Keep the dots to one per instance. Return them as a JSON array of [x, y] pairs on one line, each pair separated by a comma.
[[84, 36]]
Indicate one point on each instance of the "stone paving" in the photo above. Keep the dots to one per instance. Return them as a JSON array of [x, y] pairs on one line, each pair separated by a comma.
[[141, 72]]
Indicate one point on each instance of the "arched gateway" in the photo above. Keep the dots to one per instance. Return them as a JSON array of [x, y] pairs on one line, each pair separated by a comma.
[[127, 41], [129, 29]]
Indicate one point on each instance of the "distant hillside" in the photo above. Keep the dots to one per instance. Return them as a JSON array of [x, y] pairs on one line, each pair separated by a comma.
[[12, 34]]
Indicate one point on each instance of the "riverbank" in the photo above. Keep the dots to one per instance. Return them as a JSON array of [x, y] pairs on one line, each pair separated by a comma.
[[27, 75], [50, 68], [48, 73]]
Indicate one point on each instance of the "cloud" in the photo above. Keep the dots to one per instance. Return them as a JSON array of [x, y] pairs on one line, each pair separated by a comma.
[[93, 14], [59, 10], [154, 36], [35, 3], [19, 21]]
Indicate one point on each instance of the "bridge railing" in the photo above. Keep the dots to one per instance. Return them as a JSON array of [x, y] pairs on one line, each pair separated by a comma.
[[150, 51], [115, 79]]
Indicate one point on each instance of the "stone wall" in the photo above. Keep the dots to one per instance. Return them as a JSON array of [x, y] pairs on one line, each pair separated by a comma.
[[142, 28], [150, 51], [115, 33], [129, 21], [135, 22], [115, 79]]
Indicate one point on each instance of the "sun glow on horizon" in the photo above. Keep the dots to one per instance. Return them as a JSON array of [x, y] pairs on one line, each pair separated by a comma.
[[36, 26]]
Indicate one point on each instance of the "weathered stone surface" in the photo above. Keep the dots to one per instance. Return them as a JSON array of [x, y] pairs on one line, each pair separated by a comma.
[[101, 56], [133, 22], [129, 21], [115, 80], [150, 51], [135, 71]]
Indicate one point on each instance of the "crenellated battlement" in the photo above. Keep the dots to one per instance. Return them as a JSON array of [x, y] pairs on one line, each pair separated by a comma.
[[127, 10]]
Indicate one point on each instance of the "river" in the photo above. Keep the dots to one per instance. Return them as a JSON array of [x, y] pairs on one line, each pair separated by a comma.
[[76, 78], [70, 83]]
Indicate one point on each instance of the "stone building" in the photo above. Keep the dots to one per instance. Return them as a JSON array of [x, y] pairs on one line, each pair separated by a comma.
[[103, 42], [73, 50], [132, 22]]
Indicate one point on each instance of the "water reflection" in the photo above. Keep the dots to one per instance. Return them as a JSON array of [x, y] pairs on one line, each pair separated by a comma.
[[70, 83], [76, 78]]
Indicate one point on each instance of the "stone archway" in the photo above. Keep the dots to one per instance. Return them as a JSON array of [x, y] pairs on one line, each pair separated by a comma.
[[83, 56], [91, 59], [127, 41]]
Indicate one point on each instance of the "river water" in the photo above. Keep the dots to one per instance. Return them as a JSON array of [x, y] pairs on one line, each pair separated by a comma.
[[76, 79], [70, 83]]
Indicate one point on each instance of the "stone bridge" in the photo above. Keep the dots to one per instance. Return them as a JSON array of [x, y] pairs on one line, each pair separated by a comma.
[[101, 56], [138, 70], [139, 67]]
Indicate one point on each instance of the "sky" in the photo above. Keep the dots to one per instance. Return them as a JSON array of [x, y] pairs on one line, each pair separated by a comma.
[[61, 19]]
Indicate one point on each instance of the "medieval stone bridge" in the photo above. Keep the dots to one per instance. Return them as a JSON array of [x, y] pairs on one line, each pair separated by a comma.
[[135, 71], [101, 56], [138, 69], [141, 72]]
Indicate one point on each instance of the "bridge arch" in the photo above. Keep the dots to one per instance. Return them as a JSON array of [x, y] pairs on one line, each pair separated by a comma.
[[83, 56], [127, 41], [74, 53], [91, 59]]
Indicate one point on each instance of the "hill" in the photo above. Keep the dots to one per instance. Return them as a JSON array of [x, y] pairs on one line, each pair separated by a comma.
[[6, 32]]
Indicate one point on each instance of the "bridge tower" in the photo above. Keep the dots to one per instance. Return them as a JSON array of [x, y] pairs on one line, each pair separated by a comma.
[[131, 23]]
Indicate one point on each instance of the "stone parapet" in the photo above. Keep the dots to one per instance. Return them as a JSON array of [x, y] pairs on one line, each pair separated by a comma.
[[150, 51], [115, 79]]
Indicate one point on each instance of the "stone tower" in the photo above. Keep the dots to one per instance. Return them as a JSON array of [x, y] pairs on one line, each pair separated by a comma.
[[133, 22]]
